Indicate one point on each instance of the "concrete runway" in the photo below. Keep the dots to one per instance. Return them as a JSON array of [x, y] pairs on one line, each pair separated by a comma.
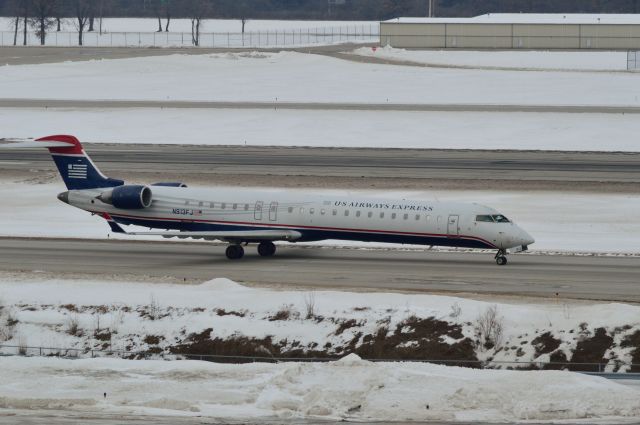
[[593, 278], [560, 170]]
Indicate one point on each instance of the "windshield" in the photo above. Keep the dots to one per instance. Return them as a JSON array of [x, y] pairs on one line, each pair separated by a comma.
[[498, 218]]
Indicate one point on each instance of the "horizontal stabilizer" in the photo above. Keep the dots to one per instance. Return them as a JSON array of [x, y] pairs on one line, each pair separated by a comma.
[[28, 144], [231, 236]]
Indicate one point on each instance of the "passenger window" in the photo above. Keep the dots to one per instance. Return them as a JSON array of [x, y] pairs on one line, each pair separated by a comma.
[[369, 214], [417, 217], [290, 209], [322, 211], [381, 215], [200, 203], [235, 206], [212, 204], [406, 216], [246, 207], [484, 218], [346, 213], [357, 213], [186, 203], [311, 210], [335, 212], [393, 216], [301, 210]]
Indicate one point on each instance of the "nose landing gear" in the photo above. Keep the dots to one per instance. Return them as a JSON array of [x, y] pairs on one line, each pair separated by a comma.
[[501, 258]]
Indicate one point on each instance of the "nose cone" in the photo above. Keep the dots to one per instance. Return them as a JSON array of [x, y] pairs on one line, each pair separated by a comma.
[[526, 238], [64, 197]]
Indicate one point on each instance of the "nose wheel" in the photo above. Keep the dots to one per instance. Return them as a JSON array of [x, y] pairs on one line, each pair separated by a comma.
[[501, 257]]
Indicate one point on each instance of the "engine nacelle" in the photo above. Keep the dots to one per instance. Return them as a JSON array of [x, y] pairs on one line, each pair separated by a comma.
[[170, 184], [128, 197]]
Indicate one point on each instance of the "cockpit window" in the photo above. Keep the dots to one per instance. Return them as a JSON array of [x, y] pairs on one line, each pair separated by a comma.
[[498, 218], [485, 218], [501, 219]]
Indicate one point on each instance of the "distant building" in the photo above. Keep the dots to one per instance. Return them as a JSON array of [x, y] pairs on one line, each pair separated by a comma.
[[515, 31]]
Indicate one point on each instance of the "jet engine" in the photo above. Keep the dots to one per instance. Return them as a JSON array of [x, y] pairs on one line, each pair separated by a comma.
[[128, 197]]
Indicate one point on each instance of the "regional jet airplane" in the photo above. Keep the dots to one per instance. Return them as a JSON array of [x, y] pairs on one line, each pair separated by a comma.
[[244, 216]]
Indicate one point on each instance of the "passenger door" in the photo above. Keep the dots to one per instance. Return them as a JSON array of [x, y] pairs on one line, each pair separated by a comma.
[[453, 231], [273, 211], [257, 212]]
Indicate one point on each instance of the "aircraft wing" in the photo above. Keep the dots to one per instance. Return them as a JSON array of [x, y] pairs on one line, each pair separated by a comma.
[[231, 236]]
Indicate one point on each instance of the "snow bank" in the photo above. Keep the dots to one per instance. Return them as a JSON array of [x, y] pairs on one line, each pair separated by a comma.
[[167, 318], [353, 390], [566, 221], [361, 129], [549, 60], [297, 77]]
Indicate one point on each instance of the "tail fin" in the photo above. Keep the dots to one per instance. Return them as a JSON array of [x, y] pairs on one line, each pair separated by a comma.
[[75, 166]]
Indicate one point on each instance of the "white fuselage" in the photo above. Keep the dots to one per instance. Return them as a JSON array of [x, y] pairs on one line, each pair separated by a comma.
[[316, 216]]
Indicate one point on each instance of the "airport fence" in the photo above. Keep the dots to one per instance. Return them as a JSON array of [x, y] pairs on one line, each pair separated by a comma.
[[265, 39], [78, 353], [633, 60]]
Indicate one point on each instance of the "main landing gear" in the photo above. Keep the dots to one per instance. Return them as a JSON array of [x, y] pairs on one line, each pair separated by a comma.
[[266, 249], [501, 258], [236, 251]]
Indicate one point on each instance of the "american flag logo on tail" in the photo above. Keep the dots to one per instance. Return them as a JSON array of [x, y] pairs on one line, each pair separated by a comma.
[[77, 171]]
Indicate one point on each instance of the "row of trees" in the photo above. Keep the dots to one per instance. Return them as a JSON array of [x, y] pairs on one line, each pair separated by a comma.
[[42, 15]]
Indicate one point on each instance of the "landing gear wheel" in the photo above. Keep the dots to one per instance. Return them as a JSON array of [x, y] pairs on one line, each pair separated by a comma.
[[234, 252], [501, 258], [266, 249]]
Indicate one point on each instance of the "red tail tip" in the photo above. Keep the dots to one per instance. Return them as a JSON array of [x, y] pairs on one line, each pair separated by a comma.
[[75, 149]]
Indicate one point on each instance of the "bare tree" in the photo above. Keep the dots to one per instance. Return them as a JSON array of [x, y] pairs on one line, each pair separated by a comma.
[[167, 13], [43, 17], [92, 14], [82, 8], [157, 8], [197, 11]]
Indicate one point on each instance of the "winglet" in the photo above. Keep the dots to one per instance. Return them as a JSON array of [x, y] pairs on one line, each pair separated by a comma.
[[115, 227]]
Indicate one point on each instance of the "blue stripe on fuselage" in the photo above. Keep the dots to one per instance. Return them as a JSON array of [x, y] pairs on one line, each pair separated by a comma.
[[310, 235]]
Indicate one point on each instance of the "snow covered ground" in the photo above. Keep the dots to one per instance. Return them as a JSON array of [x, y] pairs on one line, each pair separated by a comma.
[[146, 316], [573, 61], [558, 221], [362, 129], [348, 389], [298, 77]]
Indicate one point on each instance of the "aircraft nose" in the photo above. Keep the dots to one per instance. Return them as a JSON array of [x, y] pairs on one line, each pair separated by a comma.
[[64, 197], [526, 238]]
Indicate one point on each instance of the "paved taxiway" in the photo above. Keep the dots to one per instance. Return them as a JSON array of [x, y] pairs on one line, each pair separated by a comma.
[[316, 106], [559, 170], [598, 278]]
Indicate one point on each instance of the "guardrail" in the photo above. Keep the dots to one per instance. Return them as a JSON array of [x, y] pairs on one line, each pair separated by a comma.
[[75, 353], [275, 38]]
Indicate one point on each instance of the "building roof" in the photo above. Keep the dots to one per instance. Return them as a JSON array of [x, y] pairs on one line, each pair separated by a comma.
[[529, 18]]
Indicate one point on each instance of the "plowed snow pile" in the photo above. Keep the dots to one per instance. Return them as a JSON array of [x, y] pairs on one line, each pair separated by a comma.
[[346, 389]]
